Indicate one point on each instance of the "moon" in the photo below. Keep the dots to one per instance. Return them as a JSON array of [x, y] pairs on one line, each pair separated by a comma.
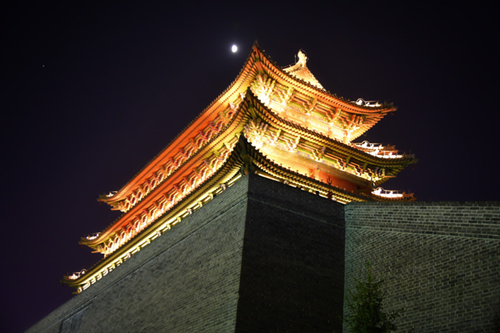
[[234, 48]]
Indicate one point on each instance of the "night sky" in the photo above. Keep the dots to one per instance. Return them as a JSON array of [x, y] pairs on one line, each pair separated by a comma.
[[90, 94]]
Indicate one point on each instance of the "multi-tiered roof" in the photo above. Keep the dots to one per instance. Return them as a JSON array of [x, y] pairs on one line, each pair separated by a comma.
[[278, 123]]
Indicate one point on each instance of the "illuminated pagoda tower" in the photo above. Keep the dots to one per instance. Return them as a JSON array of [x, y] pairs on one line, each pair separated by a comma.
[[277, 123]]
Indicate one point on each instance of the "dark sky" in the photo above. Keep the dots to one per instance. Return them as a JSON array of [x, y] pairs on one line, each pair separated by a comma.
[[91, 93]]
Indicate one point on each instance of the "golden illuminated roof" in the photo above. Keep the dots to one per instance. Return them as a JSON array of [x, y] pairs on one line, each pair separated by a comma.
[[295, 100]]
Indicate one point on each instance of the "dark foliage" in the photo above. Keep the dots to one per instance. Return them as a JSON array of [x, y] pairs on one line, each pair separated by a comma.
[[366, 313]]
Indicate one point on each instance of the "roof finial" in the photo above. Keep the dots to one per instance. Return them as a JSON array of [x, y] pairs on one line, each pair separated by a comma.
[[302, 59], [300, 70]]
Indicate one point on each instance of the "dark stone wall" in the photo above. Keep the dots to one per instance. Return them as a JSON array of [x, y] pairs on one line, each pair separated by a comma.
[[261, 256], [266, 257], [293, 259], [439, 260], [187, 280]]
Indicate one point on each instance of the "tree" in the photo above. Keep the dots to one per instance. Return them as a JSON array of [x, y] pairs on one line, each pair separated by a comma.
[[365, 307]]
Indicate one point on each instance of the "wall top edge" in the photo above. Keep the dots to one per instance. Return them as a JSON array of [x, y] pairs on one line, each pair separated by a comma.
[[427, 203]]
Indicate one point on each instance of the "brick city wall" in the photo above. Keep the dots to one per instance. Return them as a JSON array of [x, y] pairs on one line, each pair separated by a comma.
[[187, 280], [293, 259], [259, 256], [439, 260]]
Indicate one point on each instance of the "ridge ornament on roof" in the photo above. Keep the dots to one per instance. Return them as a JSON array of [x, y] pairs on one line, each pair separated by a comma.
[[300, 71]]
